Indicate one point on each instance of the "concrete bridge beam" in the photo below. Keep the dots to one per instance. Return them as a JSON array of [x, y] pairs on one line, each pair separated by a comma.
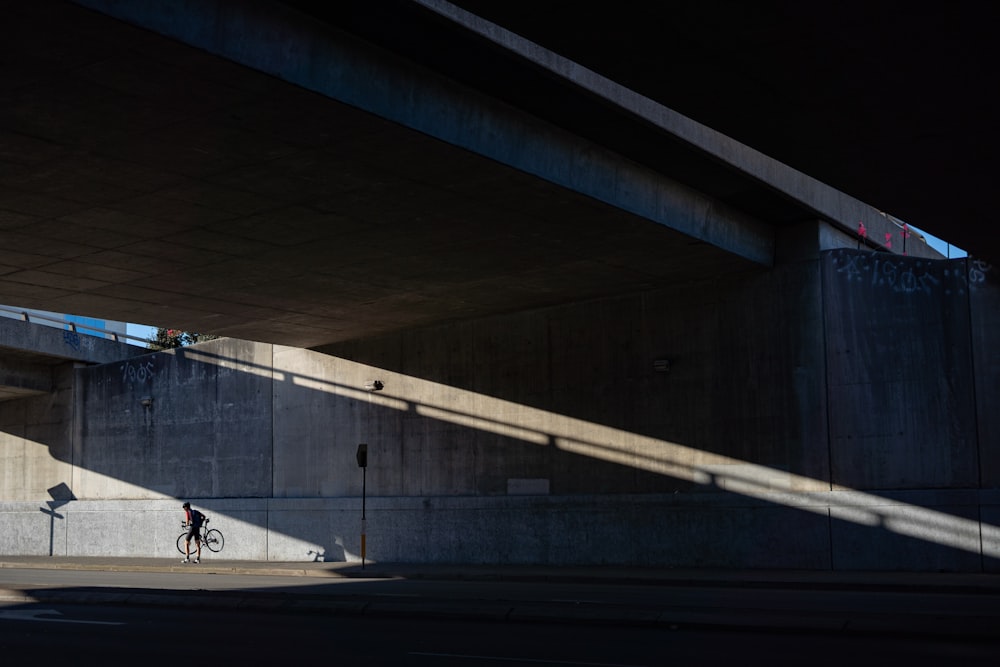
[[19, 379]]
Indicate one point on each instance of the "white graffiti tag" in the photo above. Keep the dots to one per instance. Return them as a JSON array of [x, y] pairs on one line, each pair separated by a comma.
[[977, 271], [897, 274], [138, 372]]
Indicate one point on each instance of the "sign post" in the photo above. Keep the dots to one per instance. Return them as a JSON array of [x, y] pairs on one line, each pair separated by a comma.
[[363, 464]]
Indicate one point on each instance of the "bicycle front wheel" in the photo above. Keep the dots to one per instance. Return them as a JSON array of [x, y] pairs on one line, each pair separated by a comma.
[[214, 541]]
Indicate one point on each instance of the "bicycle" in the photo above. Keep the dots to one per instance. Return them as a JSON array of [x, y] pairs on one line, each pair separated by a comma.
[[212, 539]]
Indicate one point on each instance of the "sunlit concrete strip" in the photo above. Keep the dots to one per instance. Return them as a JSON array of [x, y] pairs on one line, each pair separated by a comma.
[[655, 464], [313, 550], [484, 424], [872, 510], [225, 362], [612, 445], [377, 399], [28, 468]]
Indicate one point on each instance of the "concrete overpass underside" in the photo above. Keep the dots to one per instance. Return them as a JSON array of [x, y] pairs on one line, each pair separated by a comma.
[[327, 189]]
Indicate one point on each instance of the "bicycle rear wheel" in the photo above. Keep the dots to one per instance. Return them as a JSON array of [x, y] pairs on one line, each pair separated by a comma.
[[194, 542], [214, 541]]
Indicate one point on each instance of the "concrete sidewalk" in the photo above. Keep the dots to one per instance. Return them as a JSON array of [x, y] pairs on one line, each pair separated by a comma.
[[981, 625], [609, 574]]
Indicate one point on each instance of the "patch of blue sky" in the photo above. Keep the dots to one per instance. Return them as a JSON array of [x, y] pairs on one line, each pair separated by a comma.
[[942, 246]]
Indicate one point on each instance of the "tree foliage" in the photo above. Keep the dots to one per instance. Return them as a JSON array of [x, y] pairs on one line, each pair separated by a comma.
[[166, 339]]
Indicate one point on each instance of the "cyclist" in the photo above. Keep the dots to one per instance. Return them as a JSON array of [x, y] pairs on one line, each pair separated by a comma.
[[193, 519]]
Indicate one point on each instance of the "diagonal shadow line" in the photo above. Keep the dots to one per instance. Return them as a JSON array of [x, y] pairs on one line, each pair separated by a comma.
[[646, 453], [668, 458]]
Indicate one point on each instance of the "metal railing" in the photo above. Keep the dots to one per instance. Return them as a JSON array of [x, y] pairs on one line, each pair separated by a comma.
[[62, 323]]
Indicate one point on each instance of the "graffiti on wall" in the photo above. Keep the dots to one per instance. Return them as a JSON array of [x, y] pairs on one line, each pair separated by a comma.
[[72, 339], [907, 275], [133, 371], [977, 271]]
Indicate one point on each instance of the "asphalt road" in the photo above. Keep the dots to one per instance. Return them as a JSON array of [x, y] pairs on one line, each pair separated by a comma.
[[90, 634], [967, 613], [844, 603]]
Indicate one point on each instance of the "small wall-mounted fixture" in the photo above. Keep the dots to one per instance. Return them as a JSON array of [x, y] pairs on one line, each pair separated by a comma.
[[661, 365], [373, 385], [146, 401]]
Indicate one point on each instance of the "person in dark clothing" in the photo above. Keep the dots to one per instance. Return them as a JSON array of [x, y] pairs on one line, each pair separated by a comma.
[[193, 519]]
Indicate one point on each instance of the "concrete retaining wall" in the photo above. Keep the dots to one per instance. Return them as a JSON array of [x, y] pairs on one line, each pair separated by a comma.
[[36, 440], [901, 378], [808, 416], [927, 530]]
